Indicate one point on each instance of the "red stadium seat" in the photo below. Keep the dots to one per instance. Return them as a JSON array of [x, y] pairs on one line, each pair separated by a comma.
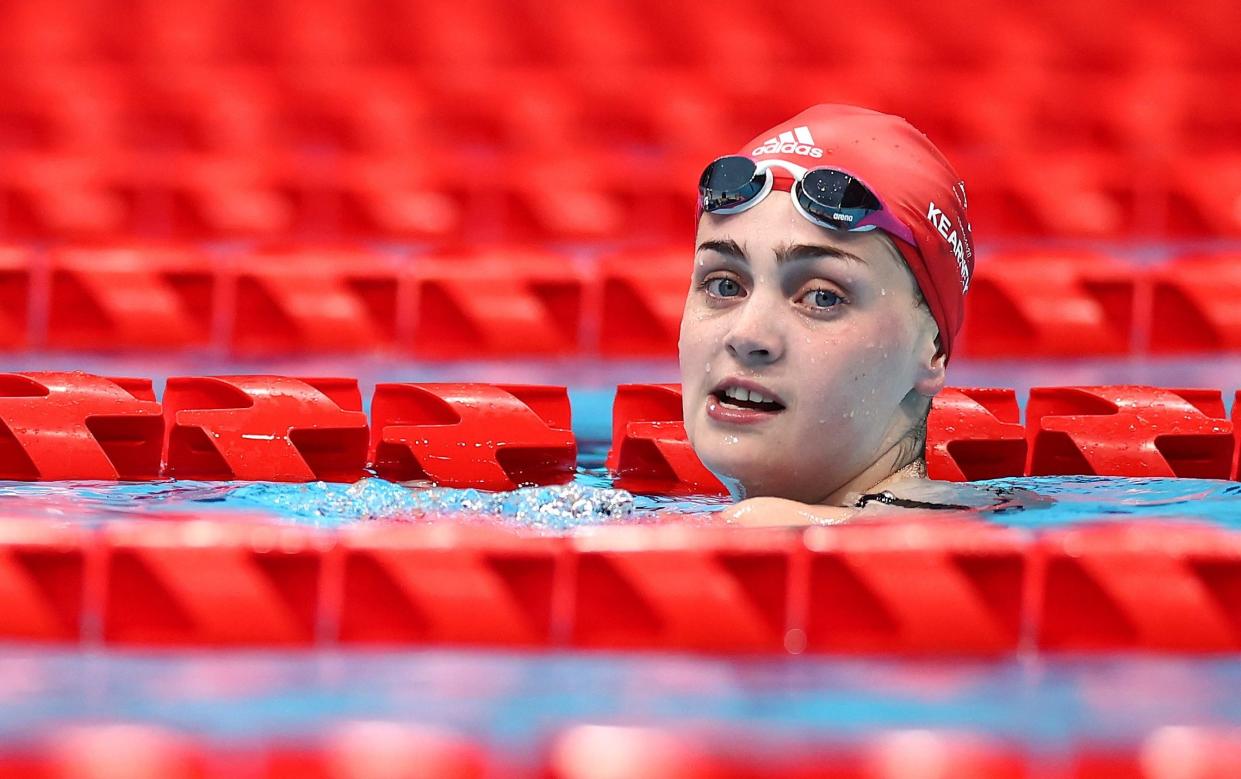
[[1058, 130], [62, 107], [460, 311], [1197, 204], [63, 196], [185, 109], [1075, 193], [643, 297], [190, 196], [130, 298], [315, 300], [1196, 305], [1050, 303], [15, 292]]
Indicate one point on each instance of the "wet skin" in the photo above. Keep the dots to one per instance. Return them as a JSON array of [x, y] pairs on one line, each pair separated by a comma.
[[823, 325]]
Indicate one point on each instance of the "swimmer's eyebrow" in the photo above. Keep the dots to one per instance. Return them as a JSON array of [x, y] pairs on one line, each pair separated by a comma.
[[813, 251], [785, 254], [728, 248]]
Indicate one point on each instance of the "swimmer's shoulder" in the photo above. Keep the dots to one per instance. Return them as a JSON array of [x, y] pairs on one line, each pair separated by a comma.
[[933, 495], [922, 495]]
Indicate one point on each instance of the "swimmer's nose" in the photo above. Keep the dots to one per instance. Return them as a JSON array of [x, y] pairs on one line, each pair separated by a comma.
[[753, 342]]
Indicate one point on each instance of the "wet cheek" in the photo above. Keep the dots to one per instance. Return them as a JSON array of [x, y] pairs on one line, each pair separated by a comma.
[[837, 387], [697, 348]]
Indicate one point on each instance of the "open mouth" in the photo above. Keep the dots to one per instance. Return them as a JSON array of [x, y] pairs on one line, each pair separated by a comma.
[[747, 399]]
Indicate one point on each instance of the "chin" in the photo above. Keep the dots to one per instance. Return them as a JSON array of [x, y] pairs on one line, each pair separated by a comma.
[[747, 475]]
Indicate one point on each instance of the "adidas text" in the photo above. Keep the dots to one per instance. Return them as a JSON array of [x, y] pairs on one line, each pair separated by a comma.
[[788, 148]]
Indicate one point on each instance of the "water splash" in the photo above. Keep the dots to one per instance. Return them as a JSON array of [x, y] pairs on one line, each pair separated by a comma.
[[558, 507]]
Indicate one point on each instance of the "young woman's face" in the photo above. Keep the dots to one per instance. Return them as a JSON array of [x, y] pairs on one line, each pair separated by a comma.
[[823, 326]]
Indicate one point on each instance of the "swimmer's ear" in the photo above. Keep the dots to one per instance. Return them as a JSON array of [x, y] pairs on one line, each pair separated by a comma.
[[932, 365]]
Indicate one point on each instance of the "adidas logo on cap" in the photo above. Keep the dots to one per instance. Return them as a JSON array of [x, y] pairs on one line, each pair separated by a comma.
[[795, 141]]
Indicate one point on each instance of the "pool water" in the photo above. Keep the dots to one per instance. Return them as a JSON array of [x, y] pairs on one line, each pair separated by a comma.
[[512, 701], [588, 500]]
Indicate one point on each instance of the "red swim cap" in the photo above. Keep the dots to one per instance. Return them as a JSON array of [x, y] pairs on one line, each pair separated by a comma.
[[912, 178]]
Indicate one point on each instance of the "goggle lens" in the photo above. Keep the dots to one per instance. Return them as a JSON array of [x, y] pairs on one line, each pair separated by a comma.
[[830, 198], [729, 182], [836, 198]]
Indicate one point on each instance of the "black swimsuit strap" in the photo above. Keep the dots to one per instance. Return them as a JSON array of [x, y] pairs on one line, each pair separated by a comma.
[[889, 499]]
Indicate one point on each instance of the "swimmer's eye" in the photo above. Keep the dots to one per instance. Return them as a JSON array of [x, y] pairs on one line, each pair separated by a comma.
[[821, 299], [723, 287]]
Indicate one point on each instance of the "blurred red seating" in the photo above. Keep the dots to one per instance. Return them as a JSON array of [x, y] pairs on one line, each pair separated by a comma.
[[1148, 587], [264, 428], [643, 296], [1128, 431], [163, 34], [415, 196], [1071, 193], [451, 584], [1196, 304], [334, 108], [304, 33], [59, 195], [203, 582], [492, 114], [194, 197], [584, 204], [1049, 304], [57, 426], [191, 106], [15, 293], [1058, 130], [46, 32], [1204, 123], [491, 304], [735, 26], [130, 298], [443, 37], [613, 110], [601, 36], [1198, 204], [59, 108], [450, 434], [291, 301]]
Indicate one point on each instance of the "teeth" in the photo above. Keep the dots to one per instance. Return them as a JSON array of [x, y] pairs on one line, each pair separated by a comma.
[[744, 395]]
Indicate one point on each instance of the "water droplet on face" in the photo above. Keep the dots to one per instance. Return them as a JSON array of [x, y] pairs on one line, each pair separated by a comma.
[[731, 439]]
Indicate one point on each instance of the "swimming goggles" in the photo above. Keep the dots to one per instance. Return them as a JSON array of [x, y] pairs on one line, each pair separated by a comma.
[[828, 197]]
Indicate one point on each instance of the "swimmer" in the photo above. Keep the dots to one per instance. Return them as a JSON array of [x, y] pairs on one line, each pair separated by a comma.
[[832, 257]]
